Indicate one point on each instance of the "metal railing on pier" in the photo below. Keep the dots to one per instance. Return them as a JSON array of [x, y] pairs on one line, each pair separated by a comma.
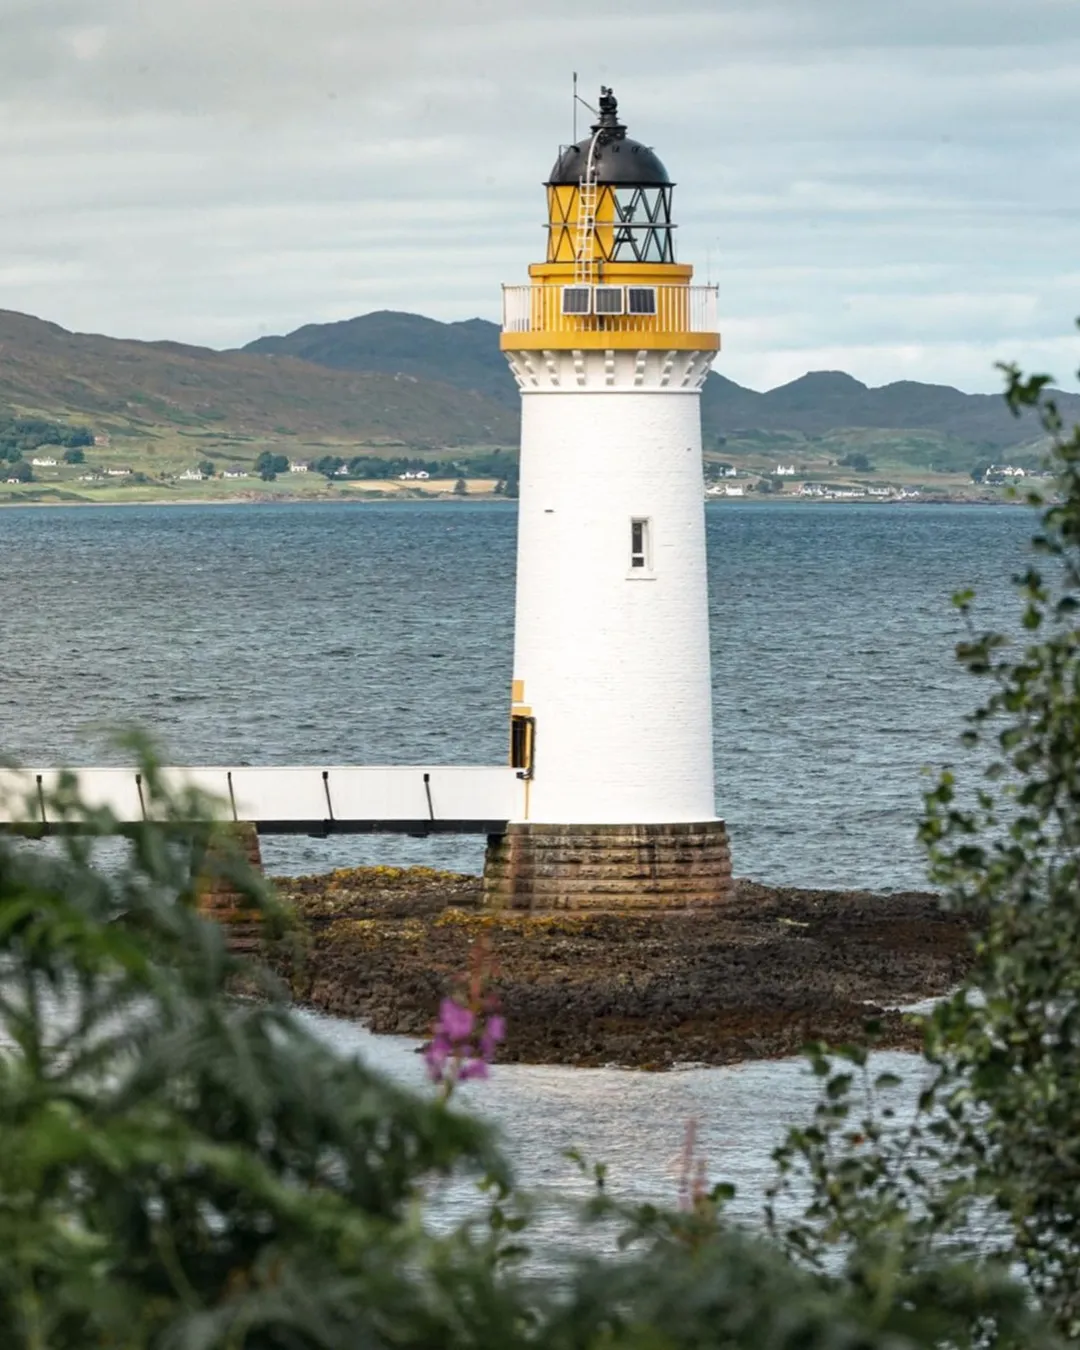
[[383, 799]]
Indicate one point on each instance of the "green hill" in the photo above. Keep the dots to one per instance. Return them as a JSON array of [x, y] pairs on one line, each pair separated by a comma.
[[401, 380], [916, 423], [818, 414], [464, 354], [137, 387]]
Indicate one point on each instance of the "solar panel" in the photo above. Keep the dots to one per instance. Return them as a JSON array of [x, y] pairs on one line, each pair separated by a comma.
[[577, 300], [641, 299], [608, 300]]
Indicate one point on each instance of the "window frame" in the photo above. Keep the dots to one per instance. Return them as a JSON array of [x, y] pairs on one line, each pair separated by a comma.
[[641, 548]]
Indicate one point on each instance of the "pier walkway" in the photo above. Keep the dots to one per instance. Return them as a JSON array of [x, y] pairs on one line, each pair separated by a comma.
[[311, 800]]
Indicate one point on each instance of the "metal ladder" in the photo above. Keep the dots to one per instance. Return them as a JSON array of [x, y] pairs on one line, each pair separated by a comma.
[[584, 249]]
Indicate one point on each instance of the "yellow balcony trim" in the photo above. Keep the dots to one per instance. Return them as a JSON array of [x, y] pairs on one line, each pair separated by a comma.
[[564, 341], [615, 274]]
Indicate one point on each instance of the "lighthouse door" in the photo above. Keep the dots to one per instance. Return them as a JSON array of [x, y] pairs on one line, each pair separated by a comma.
[[522, 744]]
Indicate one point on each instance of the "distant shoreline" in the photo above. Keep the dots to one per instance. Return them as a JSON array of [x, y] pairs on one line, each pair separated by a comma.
[[268, 500], [489, 499]]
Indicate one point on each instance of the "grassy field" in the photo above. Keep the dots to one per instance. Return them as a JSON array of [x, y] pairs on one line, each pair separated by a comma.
[[66, 489], [157, 454], [313, 487]]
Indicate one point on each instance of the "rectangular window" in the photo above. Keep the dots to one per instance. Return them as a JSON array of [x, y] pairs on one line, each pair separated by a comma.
[[639, 544], [641, 299], [577, 299], [608, 300]]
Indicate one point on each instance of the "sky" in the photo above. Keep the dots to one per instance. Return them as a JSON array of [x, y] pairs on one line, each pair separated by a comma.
[[886, 188]]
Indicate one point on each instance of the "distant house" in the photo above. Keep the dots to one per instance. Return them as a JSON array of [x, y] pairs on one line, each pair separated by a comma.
[[785, 470], [102, 440], [191, 476], [343, 472], [118, 473], [298, 466], [12, 480], [44, 462], [236, 472], [423, 474], [730, 490]]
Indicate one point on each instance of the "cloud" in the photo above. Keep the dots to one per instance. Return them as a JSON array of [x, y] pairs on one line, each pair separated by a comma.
[[869, 184]]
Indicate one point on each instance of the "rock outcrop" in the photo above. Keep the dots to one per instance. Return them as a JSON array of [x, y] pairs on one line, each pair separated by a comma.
[[756, 978]]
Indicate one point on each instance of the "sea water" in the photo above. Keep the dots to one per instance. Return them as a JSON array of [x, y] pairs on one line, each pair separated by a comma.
[[382, 633]]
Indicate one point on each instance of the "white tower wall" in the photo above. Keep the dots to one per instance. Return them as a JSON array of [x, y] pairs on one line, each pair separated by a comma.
[[614, 660]]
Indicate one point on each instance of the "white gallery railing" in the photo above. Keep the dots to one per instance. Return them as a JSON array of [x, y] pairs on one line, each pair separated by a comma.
[[674, 309]]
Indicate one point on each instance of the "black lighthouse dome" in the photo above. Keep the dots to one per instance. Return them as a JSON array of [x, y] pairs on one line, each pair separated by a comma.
[[617, 159]]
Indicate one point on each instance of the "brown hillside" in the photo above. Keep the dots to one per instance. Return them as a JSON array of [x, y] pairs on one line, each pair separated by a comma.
[[45, 368]]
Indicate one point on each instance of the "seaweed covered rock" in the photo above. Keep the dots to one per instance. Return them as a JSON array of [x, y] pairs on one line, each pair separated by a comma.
[[757, 979]]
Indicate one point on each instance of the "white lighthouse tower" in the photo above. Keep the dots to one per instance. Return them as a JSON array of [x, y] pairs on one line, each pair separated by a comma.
[[611, 727]]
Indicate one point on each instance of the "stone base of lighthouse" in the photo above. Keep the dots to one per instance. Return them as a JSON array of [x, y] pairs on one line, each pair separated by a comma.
[[669, 867]]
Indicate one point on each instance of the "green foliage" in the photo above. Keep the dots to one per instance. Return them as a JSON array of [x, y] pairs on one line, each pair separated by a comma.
[[856, 460], [990, 1162], [75, 455], [498, 464], [21, 471], [371, 466], [510, 486], [461, 488], [328, 466], [488, 463], [179, 1168], [207, 468], [269, 465], [21, 435], [183, 1170]]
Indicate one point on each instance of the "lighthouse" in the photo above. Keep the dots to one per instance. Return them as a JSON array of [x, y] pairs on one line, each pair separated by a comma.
[[611, 719]]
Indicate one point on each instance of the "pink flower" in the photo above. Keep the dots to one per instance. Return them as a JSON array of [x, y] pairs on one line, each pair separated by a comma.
[[494, 1031], [455, 1022], [436, 1054], [466, 1033]]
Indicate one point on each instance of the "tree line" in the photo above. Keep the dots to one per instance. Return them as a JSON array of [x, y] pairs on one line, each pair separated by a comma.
[[498, 464], [19, 436]]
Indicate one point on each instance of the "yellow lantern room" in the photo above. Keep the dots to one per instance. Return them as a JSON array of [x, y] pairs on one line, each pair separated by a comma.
[[610, 279]]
